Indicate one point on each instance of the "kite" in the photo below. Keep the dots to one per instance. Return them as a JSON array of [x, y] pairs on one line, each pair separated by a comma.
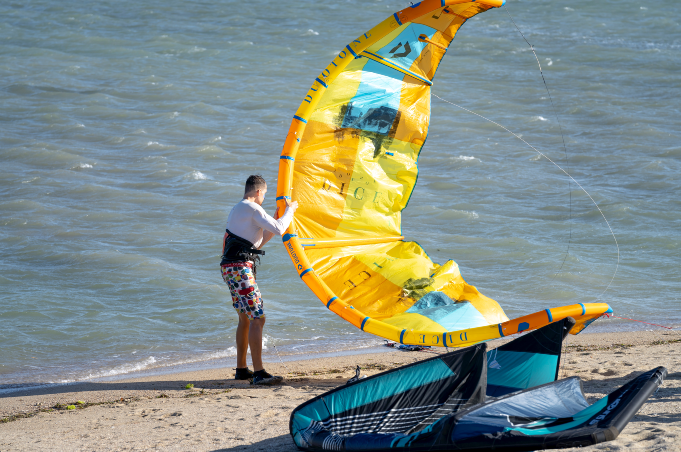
[[350, 159]]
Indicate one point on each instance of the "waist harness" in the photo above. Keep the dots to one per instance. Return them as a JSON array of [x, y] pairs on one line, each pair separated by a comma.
[[237, 249]]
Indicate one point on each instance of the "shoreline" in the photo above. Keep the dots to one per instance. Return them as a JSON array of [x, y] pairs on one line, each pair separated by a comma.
[[584, 341], [154, 412], [190, 363]]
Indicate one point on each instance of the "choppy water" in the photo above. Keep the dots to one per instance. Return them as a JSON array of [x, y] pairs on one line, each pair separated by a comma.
[[128, 129]]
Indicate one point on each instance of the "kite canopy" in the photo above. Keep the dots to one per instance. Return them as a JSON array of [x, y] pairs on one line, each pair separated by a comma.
[[351, 155], [439, 404]]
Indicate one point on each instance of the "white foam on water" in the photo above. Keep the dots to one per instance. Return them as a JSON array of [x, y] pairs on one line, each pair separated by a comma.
[[311, 32], [196, 175], [118, 370], [465, 158], [82, 166], [539, 118], [157, 145]]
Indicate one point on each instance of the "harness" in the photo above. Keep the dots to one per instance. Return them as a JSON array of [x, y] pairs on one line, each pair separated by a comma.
[[237, 249]]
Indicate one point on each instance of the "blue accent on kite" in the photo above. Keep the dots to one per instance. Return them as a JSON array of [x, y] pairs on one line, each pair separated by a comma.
[[279, 198], [305, 272], [609, 311], [376, 389], [452, 316], [579, 418], [590, 322], [397, 19], [402, 336], [548, 312], [442, 3], [299, 118], [444, 339], [286, 157], [298, 140], [415, 5], [523, 326], [363, 322], [389, 153], [401, 69], [521, 370], [583, 308], [287, 237], [331, 301], [408, 36], [500, 331], [499, 390], [321, 82], [368, 111], [308, 244], [352, 52]]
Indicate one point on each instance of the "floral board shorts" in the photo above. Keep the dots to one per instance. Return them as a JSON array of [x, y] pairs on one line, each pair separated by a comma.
[[246, 296]]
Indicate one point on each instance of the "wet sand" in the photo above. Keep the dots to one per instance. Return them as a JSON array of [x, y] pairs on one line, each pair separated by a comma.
[[219, 413]]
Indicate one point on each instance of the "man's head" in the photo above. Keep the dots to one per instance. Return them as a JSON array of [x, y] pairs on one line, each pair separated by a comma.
[[256, 187]]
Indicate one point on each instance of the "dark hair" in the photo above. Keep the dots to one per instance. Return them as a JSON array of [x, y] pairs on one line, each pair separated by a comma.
[[255, 182]]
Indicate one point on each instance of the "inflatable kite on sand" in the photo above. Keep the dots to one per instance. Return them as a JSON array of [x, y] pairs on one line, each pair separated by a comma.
[[454, 402], [350, 159]]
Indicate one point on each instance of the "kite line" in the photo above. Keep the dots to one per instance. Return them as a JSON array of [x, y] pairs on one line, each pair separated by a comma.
[[570, 178]]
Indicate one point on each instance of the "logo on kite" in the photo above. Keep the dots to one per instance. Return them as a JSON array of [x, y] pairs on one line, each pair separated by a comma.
[[407, 50]]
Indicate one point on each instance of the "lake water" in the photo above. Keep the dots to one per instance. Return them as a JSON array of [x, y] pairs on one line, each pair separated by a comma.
[[128, 129]]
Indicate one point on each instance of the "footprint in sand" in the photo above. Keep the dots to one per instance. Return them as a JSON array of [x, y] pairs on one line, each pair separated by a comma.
[[269, 413], [604, 372]]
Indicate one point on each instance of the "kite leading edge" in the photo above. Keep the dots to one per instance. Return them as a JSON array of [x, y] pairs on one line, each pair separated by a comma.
[[351, 154]]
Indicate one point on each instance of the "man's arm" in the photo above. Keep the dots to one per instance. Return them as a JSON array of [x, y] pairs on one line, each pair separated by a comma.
[[266, 236], [271, 226]]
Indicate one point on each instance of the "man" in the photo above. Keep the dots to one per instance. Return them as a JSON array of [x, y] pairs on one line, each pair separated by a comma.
[[248, 229]]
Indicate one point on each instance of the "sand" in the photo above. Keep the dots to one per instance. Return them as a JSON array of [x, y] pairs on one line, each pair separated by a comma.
[[218, 413]]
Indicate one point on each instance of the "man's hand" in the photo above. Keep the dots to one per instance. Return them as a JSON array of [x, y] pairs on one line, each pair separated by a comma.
[[293, 205]]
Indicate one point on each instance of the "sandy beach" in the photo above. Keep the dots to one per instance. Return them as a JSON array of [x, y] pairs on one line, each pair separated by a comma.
[[219, 413]]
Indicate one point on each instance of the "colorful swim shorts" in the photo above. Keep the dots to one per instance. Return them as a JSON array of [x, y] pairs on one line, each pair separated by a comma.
[[246, 296]]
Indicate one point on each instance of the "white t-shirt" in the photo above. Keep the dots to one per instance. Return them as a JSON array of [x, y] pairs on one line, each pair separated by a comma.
[[248, 220]]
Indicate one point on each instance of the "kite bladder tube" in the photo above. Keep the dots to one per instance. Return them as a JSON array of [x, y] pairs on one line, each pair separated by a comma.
[[351, 152]]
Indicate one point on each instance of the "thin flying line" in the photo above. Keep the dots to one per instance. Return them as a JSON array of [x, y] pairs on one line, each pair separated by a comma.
[[560, 168], [282, 361], [560, 127]]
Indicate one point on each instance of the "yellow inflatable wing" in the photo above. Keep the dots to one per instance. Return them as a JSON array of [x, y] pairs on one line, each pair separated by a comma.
[[350, 160]]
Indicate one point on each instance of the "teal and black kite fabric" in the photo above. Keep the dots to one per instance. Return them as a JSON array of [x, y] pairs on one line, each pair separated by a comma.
[[445, 403]]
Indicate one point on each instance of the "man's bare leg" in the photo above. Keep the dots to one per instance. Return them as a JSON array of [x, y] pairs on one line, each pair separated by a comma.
[[255, 341], [242, 340]]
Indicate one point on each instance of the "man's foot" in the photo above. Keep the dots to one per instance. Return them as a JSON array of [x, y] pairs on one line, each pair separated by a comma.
[[262, 377], [243, 373]]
